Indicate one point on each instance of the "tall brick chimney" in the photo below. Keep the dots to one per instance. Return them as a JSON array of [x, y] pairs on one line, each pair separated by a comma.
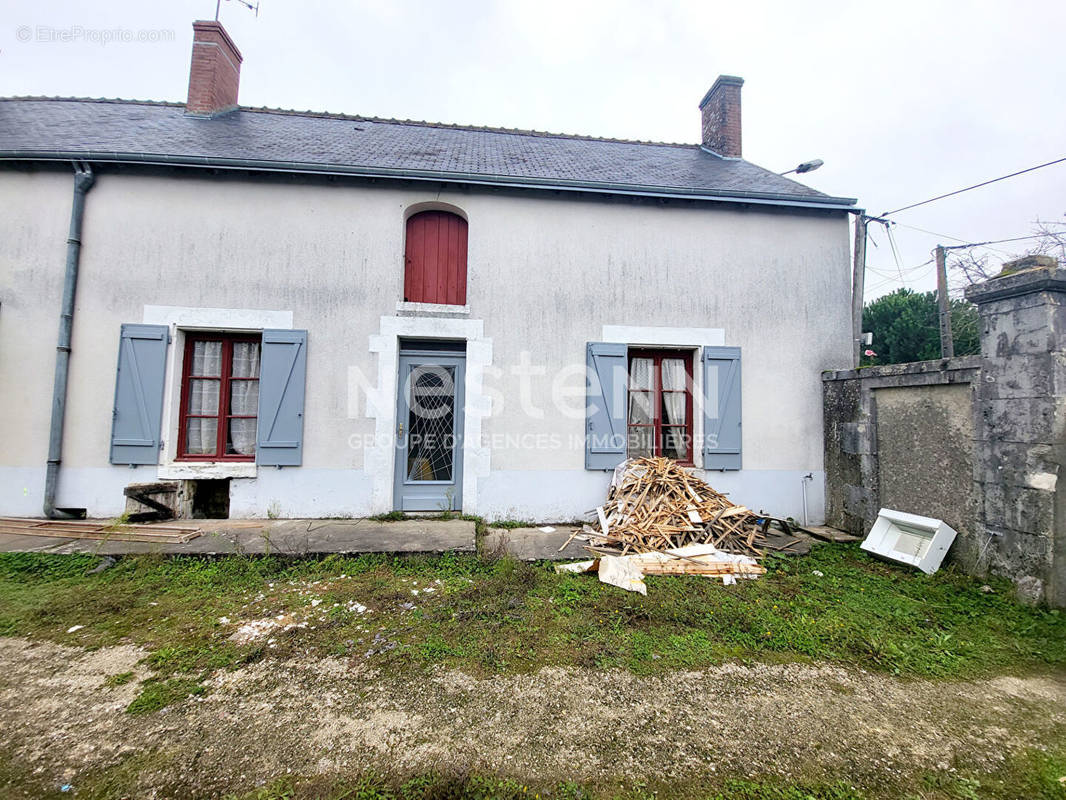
[[721, 116], [215, 73]]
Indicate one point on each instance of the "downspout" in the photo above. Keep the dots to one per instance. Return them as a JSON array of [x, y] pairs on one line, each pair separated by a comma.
[[83, 182]]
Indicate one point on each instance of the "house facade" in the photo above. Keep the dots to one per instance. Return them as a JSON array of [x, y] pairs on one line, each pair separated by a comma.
[[309, 315]]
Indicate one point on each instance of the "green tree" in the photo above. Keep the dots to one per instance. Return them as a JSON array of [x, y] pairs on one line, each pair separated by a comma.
[[906, 327]]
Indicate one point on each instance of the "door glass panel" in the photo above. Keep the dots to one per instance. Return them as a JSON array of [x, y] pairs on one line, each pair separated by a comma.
[[674, 374], [675, 445], [206, 359], [641, 406], [674, 408], [240, 437], [245, 360], [244, 398], [203, 396], [641, 441], [201, 436], [640, 373], [431, 423]]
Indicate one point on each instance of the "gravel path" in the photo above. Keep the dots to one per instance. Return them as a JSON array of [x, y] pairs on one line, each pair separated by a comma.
[[327, 716]]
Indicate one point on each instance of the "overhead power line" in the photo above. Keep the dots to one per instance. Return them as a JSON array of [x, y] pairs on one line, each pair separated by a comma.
[[993, 241], [975, 186]]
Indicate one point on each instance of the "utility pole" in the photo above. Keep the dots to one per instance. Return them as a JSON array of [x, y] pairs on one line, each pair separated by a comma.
[[858, 280], [947, 345]]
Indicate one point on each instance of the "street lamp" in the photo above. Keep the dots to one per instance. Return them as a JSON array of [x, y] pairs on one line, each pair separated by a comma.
[[806, 166]]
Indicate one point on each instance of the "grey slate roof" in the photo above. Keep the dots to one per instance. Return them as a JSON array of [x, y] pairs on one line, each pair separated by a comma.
[[146, 132]]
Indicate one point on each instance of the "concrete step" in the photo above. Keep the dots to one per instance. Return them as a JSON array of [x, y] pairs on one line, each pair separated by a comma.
[[286, 537]]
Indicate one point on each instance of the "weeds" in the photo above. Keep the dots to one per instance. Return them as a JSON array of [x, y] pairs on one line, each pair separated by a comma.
[[1033, 775], [506, 616], [157, 694], [119, 679]]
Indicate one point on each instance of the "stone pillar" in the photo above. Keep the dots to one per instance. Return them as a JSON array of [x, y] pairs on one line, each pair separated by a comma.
[[1020, 427]]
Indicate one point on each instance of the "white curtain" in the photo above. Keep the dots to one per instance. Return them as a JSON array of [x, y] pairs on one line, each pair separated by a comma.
[[244, 397], [641, 398], [640, 373], [202, 434], [673, 391], [674, 407]]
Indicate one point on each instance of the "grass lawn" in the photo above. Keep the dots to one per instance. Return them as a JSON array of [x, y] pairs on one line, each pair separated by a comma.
[[408, 614], [486, 617]]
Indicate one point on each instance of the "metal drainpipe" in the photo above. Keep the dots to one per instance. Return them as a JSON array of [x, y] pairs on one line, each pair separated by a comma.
[[83, 182]]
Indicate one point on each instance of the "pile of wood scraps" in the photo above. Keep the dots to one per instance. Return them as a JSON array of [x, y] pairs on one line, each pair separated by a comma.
[[661, 520]]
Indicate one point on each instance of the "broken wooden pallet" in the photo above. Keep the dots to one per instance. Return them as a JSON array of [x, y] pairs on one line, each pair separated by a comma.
[[76, 529], [654, 504]]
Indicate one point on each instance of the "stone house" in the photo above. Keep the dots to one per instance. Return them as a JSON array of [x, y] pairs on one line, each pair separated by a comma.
[[313, 315]]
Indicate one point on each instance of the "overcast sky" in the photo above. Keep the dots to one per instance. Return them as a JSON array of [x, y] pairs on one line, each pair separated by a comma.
[[902, 100]]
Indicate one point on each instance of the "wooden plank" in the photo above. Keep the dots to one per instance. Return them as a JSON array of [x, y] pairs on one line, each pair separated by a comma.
[[68, 529], [701, 568], [603, 521], [112, 536], [828, 534]]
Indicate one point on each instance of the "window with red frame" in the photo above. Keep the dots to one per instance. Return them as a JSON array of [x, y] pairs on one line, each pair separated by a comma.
[[219, 398], [660, 404]]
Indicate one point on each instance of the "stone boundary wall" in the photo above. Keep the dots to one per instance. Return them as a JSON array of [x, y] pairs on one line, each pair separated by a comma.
[[978, 441]]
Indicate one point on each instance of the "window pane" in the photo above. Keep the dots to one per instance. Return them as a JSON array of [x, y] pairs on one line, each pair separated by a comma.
[[430, 424], [203, 396], [674, 374], [641, 407], [674, 408], [640, 373], [240, 440], [245, 360], [201, 437], [206, 358], [641, 442], [674, 443], [244, 398]]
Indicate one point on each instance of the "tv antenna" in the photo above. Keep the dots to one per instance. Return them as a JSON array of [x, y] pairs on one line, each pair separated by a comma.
[[245, 3]]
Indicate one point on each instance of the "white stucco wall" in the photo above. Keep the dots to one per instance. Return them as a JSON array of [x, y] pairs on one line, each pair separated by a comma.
[[546, 275]]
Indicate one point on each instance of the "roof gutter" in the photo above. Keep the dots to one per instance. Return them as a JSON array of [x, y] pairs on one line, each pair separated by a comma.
[[83, 182], [294, 167]]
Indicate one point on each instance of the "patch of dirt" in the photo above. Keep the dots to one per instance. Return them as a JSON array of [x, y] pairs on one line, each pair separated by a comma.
[[327, 715]]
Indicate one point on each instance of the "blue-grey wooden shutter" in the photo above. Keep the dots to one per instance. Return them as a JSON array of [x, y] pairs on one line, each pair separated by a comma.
[[282, 373], [605, 409], [721, 408], [137, 416]]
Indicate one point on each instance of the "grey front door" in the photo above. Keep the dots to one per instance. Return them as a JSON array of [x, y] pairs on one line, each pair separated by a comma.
[[429, 431]]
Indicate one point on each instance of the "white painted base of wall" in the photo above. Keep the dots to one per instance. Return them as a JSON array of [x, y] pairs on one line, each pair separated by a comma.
[[564, 495], [286, 493], [541, 495], [294, 492], [777, 492], [96, 489]]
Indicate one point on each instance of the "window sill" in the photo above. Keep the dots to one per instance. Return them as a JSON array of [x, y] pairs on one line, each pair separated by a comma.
[[207, 470], [430, 309]]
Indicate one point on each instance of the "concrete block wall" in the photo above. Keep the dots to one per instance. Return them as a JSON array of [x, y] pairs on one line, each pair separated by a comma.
[[901, 436]]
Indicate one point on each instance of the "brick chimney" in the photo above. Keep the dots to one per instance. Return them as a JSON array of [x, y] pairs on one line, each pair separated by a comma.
[[721, 116], [215, 73]]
